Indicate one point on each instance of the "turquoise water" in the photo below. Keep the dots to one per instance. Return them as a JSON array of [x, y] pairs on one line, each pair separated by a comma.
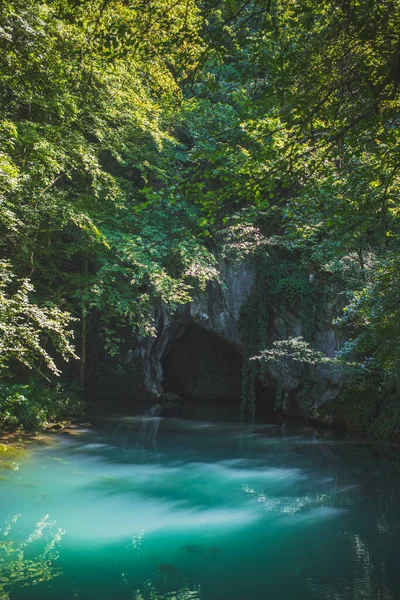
[[200, 510]]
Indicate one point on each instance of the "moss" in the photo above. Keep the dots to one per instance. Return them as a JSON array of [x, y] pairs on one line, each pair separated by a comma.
[[12, 452], [371, 410], [10, 456]]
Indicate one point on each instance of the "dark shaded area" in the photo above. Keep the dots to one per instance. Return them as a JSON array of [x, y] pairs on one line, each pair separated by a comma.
[[200, 366]]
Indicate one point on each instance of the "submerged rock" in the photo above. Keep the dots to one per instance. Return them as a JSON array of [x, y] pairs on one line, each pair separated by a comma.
[[172, 405], [193, 548], [166, 568], [11, 455]]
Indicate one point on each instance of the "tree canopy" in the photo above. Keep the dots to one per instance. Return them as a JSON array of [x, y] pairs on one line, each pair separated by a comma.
[[136, 135]]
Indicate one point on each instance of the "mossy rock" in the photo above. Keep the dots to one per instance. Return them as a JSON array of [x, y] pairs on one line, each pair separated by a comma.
[[10, 455]]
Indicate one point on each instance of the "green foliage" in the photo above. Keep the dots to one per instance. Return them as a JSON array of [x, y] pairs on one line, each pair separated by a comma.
[[87, 146], [370, 407], [295, 349], [374, 318], [26, 328], [136, 137], [313, 89], [31, 406]]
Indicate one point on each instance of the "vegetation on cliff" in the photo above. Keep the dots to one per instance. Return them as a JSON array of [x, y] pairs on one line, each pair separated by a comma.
[[137, 136]]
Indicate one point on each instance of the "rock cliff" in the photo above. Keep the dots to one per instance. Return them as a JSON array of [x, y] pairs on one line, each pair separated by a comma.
[[198, 350]]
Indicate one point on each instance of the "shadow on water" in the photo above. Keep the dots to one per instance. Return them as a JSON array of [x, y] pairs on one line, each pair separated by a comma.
[[175, 509]]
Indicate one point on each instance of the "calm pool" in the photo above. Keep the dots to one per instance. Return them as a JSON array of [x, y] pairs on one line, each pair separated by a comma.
[[199, 510]]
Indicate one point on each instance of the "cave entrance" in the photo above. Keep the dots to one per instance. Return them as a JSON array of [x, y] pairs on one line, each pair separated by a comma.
[[200, 366]]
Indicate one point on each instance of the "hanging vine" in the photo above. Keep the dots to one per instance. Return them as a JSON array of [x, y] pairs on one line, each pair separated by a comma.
[[282, 284], [254, 327]]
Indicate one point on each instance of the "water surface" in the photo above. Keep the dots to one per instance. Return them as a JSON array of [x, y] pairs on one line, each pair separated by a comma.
[[200, 510]]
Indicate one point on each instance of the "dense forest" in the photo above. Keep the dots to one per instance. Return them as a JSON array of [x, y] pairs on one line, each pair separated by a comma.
[[139, 139]]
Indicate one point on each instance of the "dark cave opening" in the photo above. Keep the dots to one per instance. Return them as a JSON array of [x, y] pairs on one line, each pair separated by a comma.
[[200, 366], [206, 371]]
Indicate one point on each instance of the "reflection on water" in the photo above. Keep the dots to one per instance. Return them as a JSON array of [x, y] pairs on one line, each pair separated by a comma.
[[210, 511], [18, 567]]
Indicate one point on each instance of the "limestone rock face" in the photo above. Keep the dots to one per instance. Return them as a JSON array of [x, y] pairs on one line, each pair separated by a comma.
[[217, 310], [198, 350], [302, 389]]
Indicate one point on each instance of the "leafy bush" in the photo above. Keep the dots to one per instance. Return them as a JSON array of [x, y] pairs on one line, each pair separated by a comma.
[[30, 407], [24, 325], [373, 410]]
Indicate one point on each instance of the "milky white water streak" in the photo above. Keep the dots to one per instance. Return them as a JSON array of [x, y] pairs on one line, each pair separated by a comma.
[[200, 510]]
